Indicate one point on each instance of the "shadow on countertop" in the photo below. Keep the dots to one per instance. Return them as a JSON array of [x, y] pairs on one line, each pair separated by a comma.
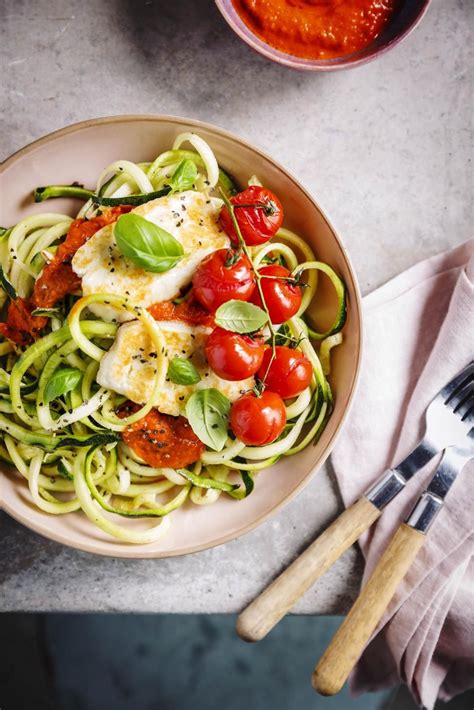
[[217, 67], [170, 662]]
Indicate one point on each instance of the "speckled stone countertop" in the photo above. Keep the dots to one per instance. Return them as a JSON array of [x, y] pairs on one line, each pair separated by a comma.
[[384, 148]]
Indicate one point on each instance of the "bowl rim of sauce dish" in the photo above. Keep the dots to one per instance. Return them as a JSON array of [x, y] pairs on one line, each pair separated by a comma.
[[80, 151], [348, 61]]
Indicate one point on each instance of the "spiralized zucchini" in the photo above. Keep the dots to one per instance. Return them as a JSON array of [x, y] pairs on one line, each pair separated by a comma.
[[69, 449]]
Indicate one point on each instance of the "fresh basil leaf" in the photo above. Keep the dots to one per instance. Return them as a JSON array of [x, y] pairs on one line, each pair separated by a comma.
[[184, 177], [240, 317], [63, 381], [207, 411], [6, 285], [183, 372], [146, 244]]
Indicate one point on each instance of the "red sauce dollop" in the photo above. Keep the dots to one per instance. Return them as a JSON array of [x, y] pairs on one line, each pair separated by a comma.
[[21, 327], [317, 29], [190, 311], [56, 281], [162, 441], [58, 278]]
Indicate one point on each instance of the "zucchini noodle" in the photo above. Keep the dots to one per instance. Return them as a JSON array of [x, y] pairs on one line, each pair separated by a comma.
[[68, 445], [27, 239], [312, 279], [208, 157], [130, 171]]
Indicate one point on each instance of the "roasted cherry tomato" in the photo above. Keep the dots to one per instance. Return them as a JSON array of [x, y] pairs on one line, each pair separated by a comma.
[[290, 372], [223, 275], [258, 420], [282, 297], [233, 356], [258, 212]]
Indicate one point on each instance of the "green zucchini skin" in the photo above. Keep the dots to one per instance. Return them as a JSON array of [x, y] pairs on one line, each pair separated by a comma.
[[49, 443], [6, 285], [227, 183], [48, 192], [134, 200], [341, 293]]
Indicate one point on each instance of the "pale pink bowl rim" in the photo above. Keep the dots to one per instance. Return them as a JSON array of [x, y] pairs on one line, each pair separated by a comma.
[[317, 65]]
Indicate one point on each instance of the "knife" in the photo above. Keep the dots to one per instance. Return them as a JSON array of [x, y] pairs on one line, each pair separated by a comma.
[[354, 633]]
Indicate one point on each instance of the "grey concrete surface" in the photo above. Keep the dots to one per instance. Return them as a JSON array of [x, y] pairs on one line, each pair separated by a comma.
[[384, 148]]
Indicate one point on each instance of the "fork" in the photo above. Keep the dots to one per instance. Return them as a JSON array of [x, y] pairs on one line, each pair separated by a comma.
[[355, 631], [448, 420]]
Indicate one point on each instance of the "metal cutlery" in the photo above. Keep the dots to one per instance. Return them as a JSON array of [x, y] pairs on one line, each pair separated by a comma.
[[449, 419], [355, 631]]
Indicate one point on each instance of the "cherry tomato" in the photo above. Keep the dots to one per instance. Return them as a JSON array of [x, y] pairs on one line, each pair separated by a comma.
[[290, 372], [283, 298], [259, 217], [221, 276], [258, 420], [233, 356]]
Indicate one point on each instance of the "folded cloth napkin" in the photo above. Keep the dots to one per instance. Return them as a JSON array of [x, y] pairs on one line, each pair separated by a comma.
[[419, 332]]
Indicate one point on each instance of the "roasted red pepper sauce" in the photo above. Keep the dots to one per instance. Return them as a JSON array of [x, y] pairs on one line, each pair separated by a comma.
[[190, 311], [317, 29], [58, 278], [56, 281], [162, 441], [21, 327]]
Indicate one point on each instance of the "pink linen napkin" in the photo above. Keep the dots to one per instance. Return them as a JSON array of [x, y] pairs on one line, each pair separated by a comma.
[[419, 332]]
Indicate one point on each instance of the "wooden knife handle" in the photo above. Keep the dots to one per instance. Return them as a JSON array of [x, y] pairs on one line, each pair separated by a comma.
[[275, 601], [355, 631]]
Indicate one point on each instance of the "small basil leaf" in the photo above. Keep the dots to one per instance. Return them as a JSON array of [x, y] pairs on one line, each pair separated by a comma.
[[146, 244], [183, 372], [63, 381], [240, 317], [184, 177], [208, 414]]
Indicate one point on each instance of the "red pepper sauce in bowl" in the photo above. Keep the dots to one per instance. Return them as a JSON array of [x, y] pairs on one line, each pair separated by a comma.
[[317, 29]]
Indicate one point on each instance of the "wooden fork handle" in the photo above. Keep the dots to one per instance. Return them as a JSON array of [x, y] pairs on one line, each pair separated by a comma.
[[276, 600], [350, 639]]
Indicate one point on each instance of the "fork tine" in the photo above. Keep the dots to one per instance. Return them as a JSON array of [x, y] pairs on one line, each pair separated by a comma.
[[461, 397], [464, 409], [457, 382], [469, 415]]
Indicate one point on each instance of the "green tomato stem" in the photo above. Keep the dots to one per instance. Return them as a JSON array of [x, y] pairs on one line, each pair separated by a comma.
[[258, 279]]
